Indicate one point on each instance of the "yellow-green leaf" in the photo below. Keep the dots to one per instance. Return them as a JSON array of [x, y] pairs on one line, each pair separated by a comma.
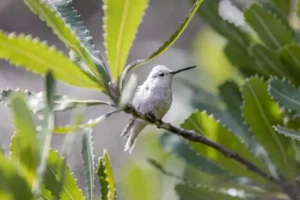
[[63, 19], [261, 113], [167, 44], [121, 21], [106, 178], [37, 57], [69, 189], [25, 145], [209, 127], [12, 184]]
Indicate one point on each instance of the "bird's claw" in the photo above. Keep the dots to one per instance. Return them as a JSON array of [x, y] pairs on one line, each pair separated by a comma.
[[150, 116]]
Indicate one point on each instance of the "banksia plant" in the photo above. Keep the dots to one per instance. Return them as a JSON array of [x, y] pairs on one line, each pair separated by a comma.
[[255, 114], [32, 170]]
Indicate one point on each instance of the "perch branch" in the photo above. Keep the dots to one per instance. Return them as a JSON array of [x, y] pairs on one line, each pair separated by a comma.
[[195, 137]]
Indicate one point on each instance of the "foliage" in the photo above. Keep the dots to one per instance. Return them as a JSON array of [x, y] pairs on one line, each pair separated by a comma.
[[261, 113], [41, 172]]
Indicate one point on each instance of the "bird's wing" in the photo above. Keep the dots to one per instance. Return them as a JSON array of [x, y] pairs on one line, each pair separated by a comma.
[[128, 128]]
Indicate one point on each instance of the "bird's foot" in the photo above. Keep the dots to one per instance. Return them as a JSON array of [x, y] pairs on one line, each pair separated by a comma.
[[150, 116]]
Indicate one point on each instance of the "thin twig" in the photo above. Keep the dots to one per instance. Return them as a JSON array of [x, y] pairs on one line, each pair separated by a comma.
[[193, 136]]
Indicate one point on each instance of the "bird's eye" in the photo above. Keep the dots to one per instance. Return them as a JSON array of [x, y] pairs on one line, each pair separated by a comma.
[[161, 74]]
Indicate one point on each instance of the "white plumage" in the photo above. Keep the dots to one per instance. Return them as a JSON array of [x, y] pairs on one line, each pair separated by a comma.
[[153, 97]]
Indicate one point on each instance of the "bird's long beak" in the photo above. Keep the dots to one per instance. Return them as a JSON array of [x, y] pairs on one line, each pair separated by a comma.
[[183, 69]]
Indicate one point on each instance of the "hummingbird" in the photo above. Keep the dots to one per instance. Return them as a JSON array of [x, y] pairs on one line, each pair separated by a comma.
[[153, 98]]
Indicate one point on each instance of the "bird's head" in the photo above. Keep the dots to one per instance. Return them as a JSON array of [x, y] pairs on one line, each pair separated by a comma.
[[162, 75]]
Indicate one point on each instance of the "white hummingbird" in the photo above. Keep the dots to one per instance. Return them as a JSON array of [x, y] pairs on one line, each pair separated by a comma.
[[153, 98]]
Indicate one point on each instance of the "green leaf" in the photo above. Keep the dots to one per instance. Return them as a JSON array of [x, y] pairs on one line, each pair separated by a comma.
[[173, 38], [179, 147], [283, 6], [45, 136], [25, 145], [209, 11], [188, 192], [37, 57], [268, 26], [121, 21], [290, 56], [36, 101], [106, 178], [89, 124], [286, 95], [66, 24], [240, 58], [142, 182], [52, 181], [12, 182], [288, 132], [209, 127], [88, 156], [231, 95], [268, 61], [261, 113]]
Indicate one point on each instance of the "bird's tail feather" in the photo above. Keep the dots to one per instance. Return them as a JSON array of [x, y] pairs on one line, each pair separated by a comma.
[[128, 128], [135, 131]]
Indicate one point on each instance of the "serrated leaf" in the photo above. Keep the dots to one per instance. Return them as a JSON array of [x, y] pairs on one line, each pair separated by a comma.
[[37, 57], [268, 61], [12, 182], [106, 178], [66, 24], [25, 145], [283, 6], [167, 44], [209, 11], [52, 181], [45, 136], [261, 113], [288, 132], [240, 58], [121, 21], [180, 148], [36, 101], [89, 124], [188, 192], [286, 95], [231, 95], [268, 26], [207, 126], [290, 56], [88, 157]]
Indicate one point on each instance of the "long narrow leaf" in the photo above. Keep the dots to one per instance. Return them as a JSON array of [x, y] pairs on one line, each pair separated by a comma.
[[65, 23], [288, 132], [69, 189], [286, 95], [89, 124], [88, 157], [36, 101], [45, 135], [106, 178], [261, 113], [25, 145], [173, 38], [12, 182], [201, 193], [37, 57], [121, 21], [180, 148], [268, 26], [209, 127]]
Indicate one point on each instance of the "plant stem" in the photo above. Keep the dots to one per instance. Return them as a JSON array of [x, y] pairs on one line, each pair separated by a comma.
[[195, 137]]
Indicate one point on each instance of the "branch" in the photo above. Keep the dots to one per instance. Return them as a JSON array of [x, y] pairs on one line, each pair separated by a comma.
[[195, 137]]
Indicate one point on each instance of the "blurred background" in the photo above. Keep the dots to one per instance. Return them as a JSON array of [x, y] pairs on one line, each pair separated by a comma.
[[199, 45]]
